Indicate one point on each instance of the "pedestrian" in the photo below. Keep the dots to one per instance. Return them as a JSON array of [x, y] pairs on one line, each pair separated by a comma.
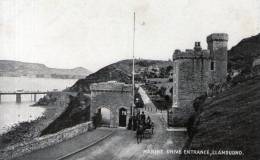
[[148, 122], [142, 116], [130, 126], [134, 123]]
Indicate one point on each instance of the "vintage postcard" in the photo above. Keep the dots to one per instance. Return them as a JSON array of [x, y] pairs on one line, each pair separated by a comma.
[[129, 79]]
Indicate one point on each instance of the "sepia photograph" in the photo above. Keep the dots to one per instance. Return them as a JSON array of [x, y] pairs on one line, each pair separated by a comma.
[[129, 80]]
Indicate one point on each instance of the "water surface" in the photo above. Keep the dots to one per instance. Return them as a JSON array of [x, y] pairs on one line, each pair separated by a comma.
[[12, 113]]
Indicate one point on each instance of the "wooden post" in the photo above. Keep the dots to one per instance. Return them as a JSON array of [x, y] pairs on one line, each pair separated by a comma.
[[35, 98], [167, 117], [18, 98]]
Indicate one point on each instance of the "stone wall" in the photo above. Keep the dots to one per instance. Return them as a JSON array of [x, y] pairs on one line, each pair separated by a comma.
[[113, 96], [44, 141], [190, 81]]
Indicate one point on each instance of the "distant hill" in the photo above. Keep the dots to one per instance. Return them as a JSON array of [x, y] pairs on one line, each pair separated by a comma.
[[18, 69], [119, 71], [242, 56]]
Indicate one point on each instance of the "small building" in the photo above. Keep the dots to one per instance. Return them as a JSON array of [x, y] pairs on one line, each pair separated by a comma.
[[112, 101]]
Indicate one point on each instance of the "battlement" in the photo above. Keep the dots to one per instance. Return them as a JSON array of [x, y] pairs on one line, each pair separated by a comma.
[[217, 37], [191, 54], [111, 86]]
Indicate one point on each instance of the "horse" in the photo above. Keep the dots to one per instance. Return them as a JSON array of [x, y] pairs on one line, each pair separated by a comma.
[[148, 129], [139, 133]]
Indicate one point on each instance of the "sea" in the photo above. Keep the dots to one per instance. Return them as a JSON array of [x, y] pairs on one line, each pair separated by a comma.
[[12, 113]]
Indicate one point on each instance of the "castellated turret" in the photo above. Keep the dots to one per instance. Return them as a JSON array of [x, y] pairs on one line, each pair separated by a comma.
[[195, 69], [217, 45], [190, 76]]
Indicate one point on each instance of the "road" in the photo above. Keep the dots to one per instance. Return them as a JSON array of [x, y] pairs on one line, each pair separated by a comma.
[[123, 145], [120, 145]]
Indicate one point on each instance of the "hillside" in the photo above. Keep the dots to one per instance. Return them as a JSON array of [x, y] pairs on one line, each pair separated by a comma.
[[229, 121], [18, 69], [119, 71], [242, 56]]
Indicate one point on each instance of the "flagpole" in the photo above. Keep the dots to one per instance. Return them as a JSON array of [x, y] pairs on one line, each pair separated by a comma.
[[133, 69]]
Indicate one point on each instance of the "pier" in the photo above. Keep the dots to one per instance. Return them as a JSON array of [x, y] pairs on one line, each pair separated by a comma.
[[32, 93]]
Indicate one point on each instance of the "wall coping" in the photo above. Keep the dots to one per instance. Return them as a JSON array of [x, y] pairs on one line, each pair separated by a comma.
[[22, 148]]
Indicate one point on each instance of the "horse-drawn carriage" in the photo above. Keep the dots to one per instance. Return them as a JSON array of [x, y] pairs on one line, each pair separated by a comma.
[[148, 130], [144, 131]]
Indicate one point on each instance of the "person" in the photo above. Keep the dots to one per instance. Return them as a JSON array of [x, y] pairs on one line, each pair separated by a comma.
[[130, 125], [148, 120], [142, 117], [138, 115], [139, 133], [134, 123]]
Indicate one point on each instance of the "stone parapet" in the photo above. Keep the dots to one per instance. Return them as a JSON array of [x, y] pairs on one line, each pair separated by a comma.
[[217, 37], [191, 54], [44, 141], [111, 86]]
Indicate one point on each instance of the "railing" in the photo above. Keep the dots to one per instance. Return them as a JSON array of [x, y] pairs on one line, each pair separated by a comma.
[[28, 92]]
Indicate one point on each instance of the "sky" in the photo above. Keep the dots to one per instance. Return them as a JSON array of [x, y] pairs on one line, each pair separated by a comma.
[[95, 33]]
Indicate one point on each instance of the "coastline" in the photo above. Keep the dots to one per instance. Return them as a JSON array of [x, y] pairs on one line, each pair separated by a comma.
[[26, 131]]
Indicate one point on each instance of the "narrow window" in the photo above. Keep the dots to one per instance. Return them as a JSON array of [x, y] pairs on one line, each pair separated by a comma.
[[212, 65]]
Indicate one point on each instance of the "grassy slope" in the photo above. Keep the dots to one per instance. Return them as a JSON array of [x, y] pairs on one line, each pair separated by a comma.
[[77, 112], [242, 55], [231, 121]]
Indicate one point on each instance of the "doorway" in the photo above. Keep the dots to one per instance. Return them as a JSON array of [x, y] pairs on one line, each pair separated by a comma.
[[122, 117]]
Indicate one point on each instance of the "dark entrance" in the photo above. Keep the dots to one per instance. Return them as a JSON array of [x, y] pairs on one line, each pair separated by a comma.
[[122, 117], [104, 117]]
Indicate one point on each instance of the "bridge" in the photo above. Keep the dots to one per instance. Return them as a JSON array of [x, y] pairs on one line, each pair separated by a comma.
[[19, 94]]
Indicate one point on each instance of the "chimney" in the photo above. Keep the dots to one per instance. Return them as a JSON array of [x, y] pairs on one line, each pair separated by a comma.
[[197, 46]]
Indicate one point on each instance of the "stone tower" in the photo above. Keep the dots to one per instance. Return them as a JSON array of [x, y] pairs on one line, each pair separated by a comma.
[[190, 77], [217, 45], [194, 70]]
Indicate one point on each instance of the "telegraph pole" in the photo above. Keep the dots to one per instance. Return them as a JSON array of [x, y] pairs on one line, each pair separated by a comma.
[[133, 69]]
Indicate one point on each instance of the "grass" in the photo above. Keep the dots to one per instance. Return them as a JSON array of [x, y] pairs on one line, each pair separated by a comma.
[[78, 111]]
